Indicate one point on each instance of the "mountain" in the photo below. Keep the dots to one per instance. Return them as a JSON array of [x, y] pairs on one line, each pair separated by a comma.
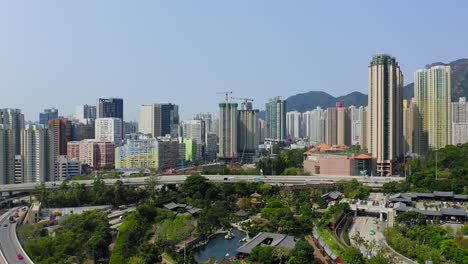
[[459, 78], [310, 100]]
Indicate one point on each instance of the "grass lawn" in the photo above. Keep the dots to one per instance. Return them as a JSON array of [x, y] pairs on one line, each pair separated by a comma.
[[331, 240]]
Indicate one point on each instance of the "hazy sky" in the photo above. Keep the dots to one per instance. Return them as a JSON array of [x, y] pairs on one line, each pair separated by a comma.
[[64, 53]]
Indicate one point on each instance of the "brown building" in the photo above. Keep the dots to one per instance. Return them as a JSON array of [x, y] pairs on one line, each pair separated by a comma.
[[61, 130], [324, 159], [97, 154]]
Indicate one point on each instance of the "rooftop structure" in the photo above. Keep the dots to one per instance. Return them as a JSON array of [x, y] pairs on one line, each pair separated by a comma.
[[267, 239]]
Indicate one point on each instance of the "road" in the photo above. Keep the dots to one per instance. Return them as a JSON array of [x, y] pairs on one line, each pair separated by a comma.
[[9, 244], [177, 179]]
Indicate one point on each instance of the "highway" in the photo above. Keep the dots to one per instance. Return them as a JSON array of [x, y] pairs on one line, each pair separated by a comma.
[[177, 179], [9, 244]]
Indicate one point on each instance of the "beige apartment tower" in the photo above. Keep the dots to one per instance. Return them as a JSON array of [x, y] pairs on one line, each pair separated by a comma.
[[433, 108], [385, 114], [227, 131], [408, 126]]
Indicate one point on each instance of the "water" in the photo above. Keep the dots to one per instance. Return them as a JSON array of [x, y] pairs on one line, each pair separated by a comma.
[[217, 247]]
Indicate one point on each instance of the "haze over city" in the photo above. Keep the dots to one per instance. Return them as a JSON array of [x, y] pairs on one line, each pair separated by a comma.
[[62, 54]]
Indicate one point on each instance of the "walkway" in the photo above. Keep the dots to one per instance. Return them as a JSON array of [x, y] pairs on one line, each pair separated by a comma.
[[317, 252]]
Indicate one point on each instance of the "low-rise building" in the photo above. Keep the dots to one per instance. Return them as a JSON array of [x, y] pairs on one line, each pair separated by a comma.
[[138, 152], [324, 159], [267, 239], [65, 168]]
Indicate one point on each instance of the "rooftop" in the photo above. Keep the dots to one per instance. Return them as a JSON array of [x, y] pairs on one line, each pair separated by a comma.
[[268, 239]]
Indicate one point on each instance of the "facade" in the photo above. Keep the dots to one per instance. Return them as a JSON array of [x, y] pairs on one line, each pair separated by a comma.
[[228, 131], [84, 112], [48, 114], [314, 126], [138, 152], [357, 123], [433, 102], [66, 168], [261, 130], [37, 154], [460, 121], [247, 134], [97, 154], [61, 128], [294, 124], [211, 146], [109, 129], [130, 127], [363, 140], [276, 119], [408, 126], [385, 113], [159, 120], [192, 151]]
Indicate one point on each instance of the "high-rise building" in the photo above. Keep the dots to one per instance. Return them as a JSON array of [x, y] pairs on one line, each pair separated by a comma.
[[276, 119], [261, 130], [138, 152], [363, 140], [47, 115], [460, 121], [130, 127], [38, 154], [294, 124], [171, 153], [13, 119], [96, 154], [112, 107], [159, 120], [433, 103], [61, 128], [343, 126], [195, 130], [7, 155], [109, 129], [211, 146], [227, 131], [408, 126], [208, 119], [331, 137], [385, 113], [314, 126], [247, 134], [84, 112]]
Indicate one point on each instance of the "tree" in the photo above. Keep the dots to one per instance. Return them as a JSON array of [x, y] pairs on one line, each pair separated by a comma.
[[281, 253], [263, 254], [410, 218], [302, 253], [152, 183], [353, 255]]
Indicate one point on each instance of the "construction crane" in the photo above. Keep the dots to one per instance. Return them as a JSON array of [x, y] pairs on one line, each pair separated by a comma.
[[227, 93], [245, 99]]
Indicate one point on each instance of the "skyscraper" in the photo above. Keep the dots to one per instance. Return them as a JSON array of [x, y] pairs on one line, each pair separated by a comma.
[[314, 126], [38, 154], [112, 107], [294, 124], [159, 120], [61, 129], [343, 125], [7, 154], [208, 119], [47, 115], [227, 131], [385, 115], [433, 103], [195, 130], [109, 129], [276, 119], [332, 129], [460, 121]]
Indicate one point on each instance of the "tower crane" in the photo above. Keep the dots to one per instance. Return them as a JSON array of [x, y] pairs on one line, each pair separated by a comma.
[[245, 99], [226, 93]]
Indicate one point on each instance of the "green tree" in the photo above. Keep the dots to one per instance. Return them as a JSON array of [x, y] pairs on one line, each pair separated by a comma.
[[353, 255], [264, 254]]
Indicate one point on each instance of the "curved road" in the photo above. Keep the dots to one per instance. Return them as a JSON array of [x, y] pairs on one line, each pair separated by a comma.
[[9, 244]]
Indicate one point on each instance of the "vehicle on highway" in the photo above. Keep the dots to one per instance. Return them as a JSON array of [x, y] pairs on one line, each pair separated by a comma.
[[5, 225], [122, 207], [12, 220], [372, 231], [225, 178], [256, 179], [19, 256], [24, 208]]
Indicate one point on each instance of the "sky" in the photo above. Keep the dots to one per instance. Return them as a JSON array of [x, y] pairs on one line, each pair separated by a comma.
[[66, 53]]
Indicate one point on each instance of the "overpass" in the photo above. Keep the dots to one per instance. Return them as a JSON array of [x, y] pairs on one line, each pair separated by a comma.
[[373, 182]]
